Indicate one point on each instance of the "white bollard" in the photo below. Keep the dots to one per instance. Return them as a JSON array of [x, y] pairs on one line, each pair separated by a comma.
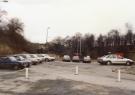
[[26, 73], [119, 75], [76, 70]]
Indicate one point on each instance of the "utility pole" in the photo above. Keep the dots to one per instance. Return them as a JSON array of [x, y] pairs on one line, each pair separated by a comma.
[[80, 46], [77, 46], [47, 34]]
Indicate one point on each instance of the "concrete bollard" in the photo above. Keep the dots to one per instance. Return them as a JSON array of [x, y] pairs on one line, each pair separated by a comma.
[[76, 70], [26, 73], [119, 75]]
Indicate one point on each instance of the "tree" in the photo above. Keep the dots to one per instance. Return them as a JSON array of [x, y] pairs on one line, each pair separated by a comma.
[[100, 41], [129, 35], [57, 46], [129, 38], [89, 43], [15, 33], [100, 45]]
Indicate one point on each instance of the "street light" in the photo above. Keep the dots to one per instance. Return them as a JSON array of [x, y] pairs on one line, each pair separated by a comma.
[[47, 34]]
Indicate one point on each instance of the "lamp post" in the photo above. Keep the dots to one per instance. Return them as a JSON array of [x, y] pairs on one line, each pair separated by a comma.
[[47, 34]]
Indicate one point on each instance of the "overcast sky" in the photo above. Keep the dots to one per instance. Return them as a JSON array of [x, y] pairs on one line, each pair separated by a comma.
[[66, 17]]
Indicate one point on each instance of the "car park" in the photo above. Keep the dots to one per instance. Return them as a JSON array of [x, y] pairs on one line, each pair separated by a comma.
[[75, 59], [87, 59], [12, 63], [66, 58], [114, 59]]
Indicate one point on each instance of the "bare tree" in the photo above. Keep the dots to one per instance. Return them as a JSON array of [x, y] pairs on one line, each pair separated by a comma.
[[129, 35]]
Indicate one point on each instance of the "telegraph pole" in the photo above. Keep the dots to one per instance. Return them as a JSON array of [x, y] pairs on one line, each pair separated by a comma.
[[80, 47], [47, 34]]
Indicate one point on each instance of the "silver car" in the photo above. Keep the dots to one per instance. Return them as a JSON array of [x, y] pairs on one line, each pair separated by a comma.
[[66, 58], [48, 58], [114, 59], [87, 59], [28, 57], [76, 59]]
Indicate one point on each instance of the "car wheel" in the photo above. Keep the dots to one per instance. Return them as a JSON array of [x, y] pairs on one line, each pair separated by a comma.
[[28, 65], [101, 63], [46, 60], [15, 67], [128, 63], [35, 63], [108, 63]]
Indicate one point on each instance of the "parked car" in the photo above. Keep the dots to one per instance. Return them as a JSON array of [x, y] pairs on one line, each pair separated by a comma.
[[28, 57], [75, 59], [12, 63], [48, 58], [20, 58], [66, 58], [35, 57], [87, 59], [114, 59], [51, 58], [41, 57]]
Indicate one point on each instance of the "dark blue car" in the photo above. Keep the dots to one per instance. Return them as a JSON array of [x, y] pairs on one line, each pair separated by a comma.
[[12, 63]]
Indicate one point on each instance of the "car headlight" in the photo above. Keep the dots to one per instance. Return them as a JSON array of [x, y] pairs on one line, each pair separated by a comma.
[[131, 60], [100, 59]]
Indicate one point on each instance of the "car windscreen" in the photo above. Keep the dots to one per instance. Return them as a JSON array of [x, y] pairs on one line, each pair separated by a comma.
[[24, 56], [66, 56], [17, 58], [3, 58], [32, 56], [40, 55], [12, 58]]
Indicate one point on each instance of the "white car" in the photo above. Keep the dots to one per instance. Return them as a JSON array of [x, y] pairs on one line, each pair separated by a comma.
[[87, 59], [48, 58], [18, 57], [35, 56], [76, 59], [114, 59], [28, 57], [66, 58], [41, 56]]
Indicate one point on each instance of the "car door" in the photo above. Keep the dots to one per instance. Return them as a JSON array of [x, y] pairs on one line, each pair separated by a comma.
[[113, 59], [7, 63], [1, 62], [120, 60]]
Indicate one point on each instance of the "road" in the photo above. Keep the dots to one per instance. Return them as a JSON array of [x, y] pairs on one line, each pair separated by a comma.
[[58, 78]]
